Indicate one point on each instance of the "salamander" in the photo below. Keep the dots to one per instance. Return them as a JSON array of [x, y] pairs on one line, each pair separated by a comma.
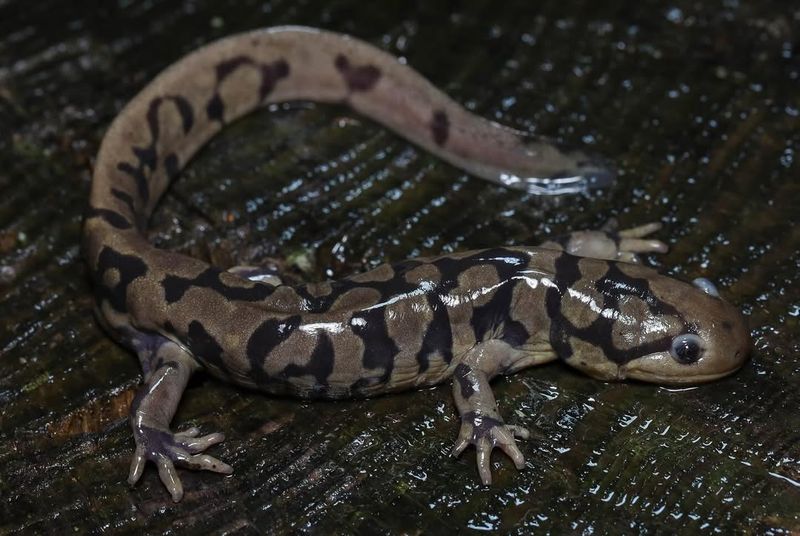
[[464, 318]]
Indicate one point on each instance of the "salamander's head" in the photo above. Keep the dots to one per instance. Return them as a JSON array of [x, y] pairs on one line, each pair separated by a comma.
[[654, 328]]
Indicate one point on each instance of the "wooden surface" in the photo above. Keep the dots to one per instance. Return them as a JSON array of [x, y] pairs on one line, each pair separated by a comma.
[[697, 102]]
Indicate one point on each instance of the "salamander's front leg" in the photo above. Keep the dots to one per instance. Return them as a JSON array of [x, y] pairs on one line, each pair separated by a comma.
[[610, 244], [151, 413], [481, 424]]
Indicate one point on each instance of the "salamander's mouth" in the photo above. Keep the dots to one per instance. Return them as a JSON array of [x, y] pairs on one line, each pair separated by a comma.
[[673, 379]]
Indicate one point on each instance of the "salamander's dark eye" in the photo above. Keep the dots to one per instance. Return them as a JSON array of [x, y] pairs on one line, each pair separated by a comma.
[[686, 348]]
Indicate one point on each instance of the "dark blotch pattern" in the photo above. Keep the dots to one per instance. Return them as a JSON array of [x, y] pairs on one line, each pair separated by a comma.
[[380, 348], [115, 219], [461, 375], [125, 198], [129, 267], [263, 341], [481, 424], [320, 365], [215, 109], [147, 157], [567, 274], [185, 111], [271, 74], [440, 127], [176, 286], [613, 285], [492, 320], [139, 179], [438, 337], [226, 67], [171, 165], [371, 325], [357, 78], [204, 347]]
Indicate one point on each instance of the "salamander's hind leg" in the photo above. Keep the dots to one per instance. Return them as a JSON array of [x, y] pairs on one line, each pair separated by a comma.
[[481, 424], [167, 373], [610, 244]]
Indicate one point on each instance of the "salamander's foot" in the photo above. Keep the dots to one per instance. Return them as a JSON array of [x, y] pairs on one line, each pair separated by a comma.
[[166, 450], [486, 433], [610, 244]]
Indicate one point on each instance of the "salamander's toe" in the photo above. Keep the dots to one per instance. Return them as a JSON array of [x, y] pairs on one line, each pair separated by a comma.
[[169, 477]]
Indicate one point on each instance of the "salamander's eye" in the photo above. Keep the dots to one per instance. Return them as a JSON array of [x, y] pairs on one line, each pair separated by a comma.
[[686, 348]]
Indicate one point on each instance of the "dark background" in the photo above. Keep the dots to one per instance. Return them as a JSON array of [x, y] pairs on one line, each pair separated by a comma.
[[697, 103]]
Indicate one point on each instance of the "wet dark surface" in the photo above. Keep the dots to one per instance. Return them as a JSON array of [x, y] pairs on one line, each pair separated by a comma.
[[698, 104]]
